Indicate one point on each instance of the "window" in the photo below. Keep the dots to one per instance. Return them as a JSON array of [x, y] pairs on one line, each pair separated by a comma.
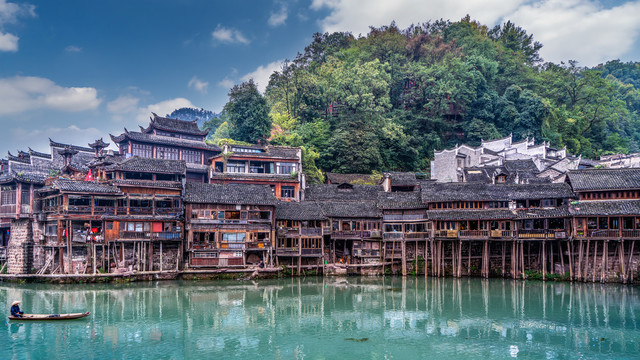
[[192, 156], [287, 192], [233, 237], [167, 153], [501, 179], [235, 166], [285, 168], [8, 196], [145, 151], [109, 225]]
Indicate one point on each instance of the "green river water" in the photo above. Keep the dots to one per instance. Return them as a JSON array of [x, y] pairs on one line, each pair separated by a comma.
[[326, 318]]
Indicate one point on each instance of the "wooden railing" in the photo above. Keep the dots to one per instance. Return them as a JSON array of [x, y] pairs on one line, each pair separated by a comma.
[[533, 234], [140, 211], [410, 217], [630, 234], [85, 209], [258, 245], [104, 210], [292, 251], [168, 211], [311, 251], [166, 235], [503, 233], [8, 210], [474, 234], [393, 235], [368, 252], [311, 231], [446, 233]]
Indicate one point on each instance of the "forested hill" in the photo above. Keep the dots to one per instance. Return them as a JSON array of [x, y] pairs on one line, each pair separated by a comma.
[[386, 100]]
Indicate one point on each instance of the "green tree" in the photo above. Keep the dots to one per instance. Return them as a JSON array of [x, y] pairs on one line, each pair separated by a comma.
[[247, 113]]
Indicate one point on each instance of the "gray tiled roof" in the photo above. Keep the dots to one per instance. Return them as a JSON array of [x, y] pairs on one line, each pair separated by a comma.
[[139, 164], [435, 192], [83, 187], [164, 140], [534, 213], [177, 125], [305, 210], [229, 194], [74, 147], [350, 209], [605, 208], [400, 200], [323, 192], [28, 177], [604, 179], [403, 179]]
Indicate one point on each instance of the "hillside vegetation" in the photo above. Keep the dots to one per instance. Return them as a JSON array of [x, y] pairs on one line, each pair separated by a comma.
[[386, 100]]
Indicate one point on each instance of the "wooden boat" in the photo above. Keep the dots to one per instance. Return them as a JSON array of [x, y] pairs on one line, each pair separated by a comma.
[[50, 316]]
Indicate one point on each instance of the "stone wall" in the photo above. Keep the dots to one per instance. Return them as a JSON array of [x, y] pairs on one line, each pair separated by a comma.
[[20, 247]]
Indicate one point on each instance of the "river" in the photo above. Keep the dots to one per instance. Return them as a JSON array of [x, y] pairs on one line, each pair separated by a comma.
[[326, 318]]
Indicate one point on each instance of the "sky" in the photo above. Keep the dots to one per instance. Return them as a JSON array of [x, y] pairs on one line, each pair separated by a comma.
[[77, 70]]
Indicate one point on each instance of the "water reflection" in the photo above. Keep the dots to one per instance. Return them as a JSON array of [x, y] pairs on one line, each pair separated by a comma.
[[328, 317]]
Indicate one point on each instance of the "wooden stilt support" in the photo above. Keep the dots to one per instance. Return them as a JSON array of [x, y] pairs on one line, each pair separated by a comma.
[[459, 258], [544, 260], [630, 263], [552, 264], [595, 255], [585, 273], [603, 261], [503, 259], [403, 245], [571, 262], [522, 259], [426, 259], [623, 273], [561, 253]]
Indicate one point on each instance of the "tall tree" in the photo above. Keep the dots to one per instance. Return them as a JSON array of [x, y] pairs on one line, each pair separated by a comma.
[[248, 113]]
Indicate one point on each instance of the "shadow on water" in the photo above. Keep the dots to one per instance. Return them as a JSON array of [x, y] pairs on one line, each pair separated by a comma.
[[332, 317]]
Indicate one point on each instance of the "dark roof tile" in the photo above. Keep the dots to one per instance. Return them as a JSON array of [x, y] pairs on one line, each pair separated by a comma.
[[139, 164], [305, 210], [246, 194], [436, 192], [604, 179]]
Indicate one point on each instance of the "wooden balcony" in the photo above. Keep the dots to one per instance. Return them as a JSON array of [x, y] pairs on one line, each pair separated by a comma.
[[290, 251], [257, 245], [608, 234], [473, 234], [496, 234], [446, 233], [397, 236], [146, 235], [311, 232], [7, 210], [311, 252], [533, 234], [410, 217]]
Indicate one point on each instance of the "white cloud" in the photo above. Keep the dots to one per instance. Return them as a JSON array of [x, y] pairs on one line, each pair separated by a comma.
[[198, 85], [226, 83], [9, 14], [162, 108], [279, 17], [73, 49], [357, 15], [261, 75], [583, 30], [123, 104], [22, 93], [226, 35], [8, 42]]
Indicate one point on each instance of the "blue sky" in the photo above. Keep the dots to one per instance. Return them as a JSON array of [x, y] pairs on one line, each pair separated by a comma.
[[79, 70]]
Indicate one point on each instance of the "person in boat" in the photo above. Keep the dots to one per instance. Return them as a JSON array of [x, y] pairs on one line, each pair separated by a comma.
[[15, 309]]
